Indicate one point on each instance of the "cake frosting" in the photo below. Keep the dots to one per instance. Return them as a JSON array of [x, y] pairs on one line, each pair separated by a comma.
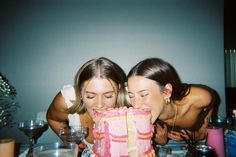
[[123, 132]]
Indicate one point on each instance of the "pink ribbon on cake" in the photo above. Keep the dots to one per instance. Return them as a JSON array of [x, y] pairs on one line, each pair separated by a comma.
[[144, 136], [107, 140]]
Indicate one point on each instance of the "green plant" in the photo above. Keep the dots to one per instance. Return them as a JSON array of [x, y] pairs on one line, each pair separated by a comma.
[[8, 104]]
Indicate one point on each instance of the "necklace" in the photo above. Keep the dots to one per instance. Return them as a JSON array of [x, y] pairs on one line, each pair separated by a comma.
[[175, 117]]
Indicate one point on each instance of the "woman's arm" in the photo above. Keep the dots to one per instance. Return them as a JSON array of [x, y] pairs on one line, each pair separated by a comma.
[[196, 135], [201, 132], [205, 102], [57, 115], [202, 101]]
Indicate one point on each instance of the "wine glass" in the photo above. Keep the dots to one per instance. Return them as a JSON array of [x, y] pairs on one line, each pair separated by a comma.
[[33, 129], [73, 134]]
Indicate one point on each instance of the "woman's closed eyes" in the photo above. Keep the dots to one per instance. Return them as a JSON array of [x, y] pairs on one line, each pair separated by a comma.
[[108, 95], [141, 94]]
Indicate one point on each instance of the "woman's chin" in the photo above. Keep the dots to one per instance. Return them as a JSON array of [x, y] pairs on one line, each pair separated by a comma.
[[91, 114], [153, 118]]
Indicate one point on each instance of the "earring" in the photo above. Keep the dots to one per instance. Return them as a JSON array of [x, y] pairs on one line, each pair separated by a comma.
[[167, 100]]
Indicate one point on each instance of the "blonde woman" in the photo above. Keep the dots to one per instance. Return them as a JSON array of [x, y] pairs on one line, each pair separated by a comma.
[[99, 83]]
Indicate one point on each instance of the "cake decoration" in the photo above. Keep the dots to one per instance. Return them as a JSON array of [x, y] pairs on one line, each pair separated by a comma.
[[123, 132]]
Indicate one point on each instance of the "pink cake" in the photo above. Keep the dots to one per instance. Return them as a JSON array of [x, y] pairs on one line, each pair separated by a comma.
[[123, 132]]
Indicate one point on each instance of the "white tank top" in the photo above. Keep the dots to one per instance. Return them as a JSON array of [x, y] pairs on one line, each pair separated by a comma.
[[68, 93]]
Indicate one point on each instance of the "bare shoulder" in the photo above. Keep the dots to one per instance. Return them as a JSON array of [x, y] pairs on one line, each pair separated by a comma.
[[58, 103], [57, 108], [201, 97]]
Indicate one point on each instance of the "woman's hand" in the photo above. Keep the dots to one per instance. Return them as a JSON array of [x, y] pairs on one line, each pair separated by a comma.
[[180, 135], [79, 149], [160, 135], [81, 146]]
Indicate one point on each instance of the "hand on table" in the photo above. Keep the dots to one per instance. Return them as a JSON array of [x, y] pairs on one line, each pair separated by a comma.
[[160, 135]]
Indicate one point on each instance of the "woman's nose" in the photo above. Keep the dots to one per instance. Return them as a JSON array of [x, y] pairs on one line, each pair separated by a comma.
[[136, 103], [100, 103]]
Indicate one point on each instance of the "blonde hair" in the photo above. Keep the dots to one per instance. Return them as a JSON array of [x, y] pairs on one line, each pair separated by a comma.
[[100, 68]]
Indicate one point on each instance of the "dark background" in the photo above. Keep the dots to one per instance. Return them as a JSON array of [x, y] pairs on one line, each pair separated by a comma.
[[230, 43], [230, 24]]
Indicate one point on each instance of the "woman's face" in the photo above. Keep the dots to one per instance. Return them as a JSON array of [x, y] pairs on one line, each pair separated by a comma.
[[144, 92], [99, 93]]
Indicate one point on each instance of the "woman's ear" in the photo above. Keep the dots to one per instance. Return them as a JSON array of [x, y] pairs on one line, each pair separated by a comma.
[[168, 90]]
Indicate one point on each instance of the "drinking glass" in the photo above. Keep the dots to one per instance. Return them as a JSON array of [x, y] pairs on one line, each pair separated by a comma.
[[33, 129], [57, 149], [73, 134]]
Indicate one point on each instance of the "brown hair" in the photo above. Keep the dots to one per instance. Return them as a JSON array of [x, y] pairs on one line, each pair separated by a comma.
[[162, 73]]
